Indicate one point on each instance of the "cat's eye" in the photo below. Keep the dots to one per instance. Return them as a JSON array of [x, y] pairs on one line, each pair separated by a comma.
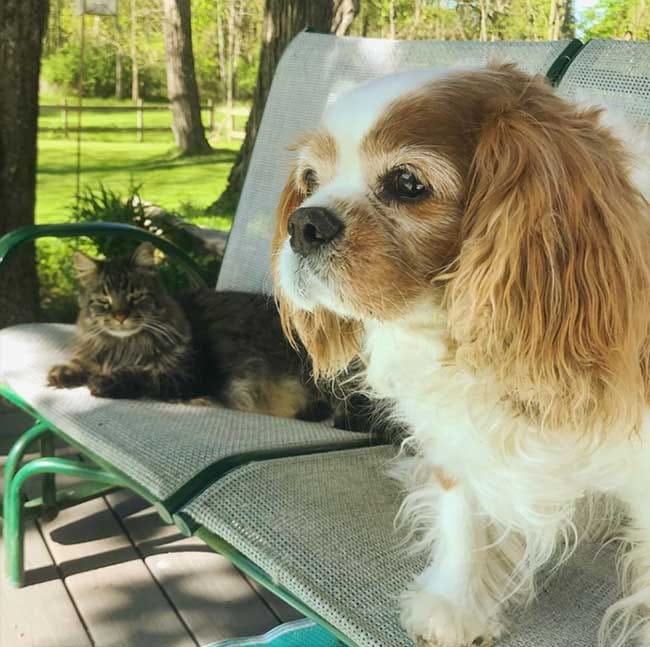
[[141, 299], [310, 181], [100, 304], [401, 184]]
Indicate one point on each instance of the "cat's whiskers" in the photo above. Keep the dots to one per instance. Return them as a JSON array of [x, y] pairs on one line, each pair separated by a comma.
[[159, 330]]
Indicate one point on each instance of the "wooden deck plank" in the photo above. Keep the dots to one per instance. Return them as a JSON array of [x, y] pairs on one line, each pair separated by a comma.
[[211, 596], [40, 614], [209, 593], [116, 595], [87, 537], [122, 606], [149, 532], [284, 612]]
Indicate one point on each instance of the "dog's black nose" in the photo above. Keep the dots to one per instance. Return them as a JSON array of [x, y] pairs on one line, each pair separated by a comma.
[[312, 227]]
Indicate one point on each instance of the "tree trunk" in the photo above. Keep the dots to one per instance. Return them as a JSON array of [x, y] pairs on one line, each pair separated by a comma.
[[567, 29], [364, 17], [344, 13], [135, 75], [233, 28], [415, 23], [22, 26], [236, 51], [181, 83], [438, 20], [391, 19], [558, 20], [119, 84], [484, 8], [221, 50], [552, 20], [119, 60], [283, 19]]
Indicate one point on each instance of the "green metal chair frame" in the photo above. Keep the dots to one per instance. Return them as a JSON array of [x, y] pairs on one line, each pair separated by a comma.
[[99, 480]]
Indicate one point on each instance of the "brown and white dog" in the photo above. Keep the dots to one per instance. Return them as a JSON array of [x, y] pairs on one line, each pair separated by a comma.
[[484, 247]]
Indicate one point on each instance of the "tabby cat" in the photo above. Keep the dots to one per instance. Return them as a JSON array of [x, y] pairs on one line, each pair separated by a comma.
[[133, 340]]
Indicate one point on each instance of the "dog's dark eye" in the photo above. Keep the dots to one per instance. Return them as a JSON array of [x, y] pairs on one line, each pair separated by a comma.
[[310, 180], [403, 185]]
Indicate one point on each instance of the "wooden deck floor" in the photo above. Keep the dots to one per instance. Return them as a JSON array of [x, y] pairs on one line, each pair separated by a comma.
[[110, 573]]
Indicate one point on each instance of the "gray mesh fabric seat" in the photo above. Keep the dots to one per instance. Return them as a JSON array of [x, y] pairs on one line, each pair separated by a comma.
[[333, 545], [169, 449], [616, 72]]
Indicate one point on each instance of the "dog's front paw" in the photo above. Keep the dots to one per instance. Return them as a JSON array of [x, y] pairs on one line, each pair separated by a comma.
[[434, 621]]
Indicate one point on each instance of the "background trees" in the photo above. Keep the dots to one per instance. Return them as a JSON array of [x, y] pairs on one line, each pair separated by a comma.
[[613, 18], [283, 19], [466, 19], [22, 25], [125, 57]]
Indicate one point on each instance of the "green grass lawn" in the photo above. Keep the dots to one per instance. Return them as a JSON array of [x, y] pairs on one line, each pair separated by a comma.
[[188, 184], [119, 162]]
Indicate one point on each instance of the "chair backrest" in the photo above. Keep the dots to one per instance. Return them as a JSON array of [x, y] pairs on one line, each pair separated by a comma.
[[314, 69], [615, 72]]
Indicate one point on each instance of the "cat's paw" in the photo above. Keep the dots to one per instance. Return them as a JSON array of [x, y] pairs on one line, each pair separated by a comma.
[[65, 376], [105, 386], [434, 621]]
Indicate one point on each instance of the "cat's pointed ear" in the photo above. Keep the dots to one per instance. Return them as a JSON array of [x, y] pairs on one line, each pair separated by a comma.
[[143, 257], [85, 266]]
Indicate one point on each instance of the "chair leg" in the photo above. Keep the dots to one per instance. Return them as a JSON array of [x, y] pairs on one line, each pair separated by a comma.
[[48, 486], [15, 457], [14, 511]]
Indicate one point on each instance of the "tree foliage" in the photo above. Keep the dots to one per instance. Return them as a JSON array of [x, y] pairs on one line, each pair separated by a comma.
[[110, 43], [227, 36], [283, 19], [464, 19], [613, 18]]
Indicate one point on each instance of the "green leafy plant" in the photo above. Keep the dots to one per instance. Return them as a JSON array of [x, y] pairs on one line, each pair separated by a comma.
[[106, 205]]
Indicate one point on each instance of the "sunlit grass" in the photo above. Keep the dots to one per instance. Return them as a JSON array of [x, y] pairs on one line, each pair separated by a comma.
[[185, 184], [118, 161]]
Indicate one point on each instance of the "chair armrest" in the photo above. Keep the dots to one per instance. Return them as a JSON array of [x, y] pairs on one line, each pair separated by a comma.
[[10, 242]]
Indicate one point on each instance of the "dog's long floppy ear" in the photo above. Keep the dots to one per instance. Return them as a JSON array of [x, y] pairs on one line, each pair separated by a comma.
[[331, 341], [551, 288]]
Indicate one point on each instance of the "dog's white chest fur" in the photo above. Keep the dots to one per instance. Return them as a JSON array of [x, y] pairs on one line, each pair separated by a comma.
[[480, 468], [459, 422]]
